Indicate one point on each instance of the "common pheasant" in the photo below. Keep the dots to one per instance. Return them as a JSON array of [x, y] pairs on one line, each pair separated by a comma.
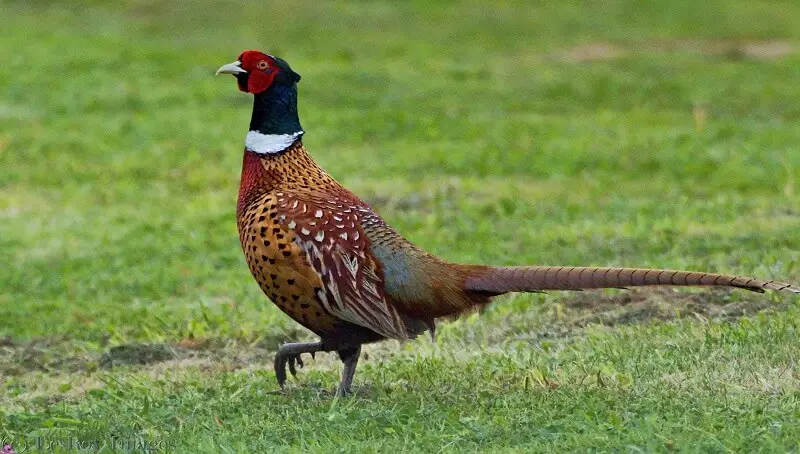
[[335, 266]]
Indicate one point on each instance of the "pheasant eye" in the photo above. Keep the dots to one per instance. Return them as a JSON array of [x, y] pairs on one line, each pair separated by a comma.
[[262, 65]]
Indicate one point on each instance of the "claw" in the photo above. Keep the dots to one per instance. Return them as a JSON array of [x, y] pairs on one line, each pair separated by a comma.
[[293, 361]]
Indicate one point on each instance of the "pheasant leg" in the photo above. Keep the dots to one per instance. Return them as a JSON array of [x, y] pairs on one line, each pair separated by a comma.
[[349, 357], [289, 354]]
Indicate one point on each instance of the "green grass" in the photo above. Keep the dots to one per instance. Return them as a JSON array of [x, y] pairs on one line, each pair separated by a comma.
[[615, 133]]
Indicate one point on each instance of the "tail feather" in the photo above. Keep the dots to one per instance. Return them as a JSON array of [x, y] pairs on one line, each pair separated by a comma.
[[499, 280]]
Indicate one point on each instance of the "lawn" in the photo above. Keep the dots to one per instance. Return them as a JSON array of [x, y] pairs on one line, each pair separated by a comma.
[[614, 133]]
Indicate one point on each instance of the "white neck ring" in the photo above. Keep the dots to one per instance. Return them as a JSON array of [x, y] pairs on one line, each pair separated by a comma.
[[269, 143]]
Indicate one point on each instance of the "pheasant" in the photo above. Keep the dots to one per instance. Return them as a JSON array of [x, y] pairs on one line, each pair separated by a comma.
[[330, 262]]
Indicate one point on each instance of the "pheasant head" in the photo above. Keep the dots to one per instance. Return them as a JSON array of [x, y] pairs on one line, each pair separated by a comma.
[[256, 72], [275, 124]]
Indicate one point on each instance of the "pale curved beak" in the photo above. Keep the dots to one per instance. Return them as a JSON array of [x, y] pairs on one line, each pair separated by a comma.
[[231, 68]]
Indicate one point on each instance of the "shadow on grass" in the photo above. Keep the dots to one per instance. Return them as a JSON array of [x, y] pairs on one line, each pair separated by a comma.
[[576, 312], [59, 354], [638, 306]]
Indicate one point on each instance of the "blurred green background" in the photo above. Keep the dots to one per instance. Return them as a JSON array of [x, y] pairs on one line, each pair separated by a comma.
[[619, 133]]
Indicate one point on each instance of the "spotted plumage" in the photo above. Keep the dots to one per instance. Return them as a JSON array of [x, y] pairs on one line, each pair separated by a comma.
[[279, 265], [327, 260]]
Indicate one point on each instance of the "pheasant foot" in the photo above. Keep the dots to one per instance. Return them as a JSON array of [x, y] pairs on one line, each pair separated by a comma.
[[289, 354]]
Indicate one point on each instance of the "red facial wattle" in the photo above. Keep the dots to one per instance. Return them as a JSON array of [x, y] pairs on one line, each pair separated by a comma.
[[261, 69]]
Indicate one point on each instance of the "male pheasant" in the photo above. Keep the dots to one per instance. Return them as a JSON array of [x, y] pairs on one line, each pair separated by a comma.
[[332, 264]]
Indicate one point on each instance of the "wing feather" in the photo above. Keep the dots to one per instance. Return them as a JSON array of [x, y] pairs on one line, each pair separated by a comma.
[[332, 237]]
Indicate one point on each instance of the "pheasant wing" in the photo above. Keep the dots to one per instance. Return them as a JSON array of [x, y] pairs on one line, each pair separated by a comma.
[[330, 234]]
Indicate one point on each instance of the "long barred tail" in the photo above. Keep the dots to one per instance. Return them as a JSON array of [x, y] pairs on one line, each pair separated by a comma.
[[498, 280]]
